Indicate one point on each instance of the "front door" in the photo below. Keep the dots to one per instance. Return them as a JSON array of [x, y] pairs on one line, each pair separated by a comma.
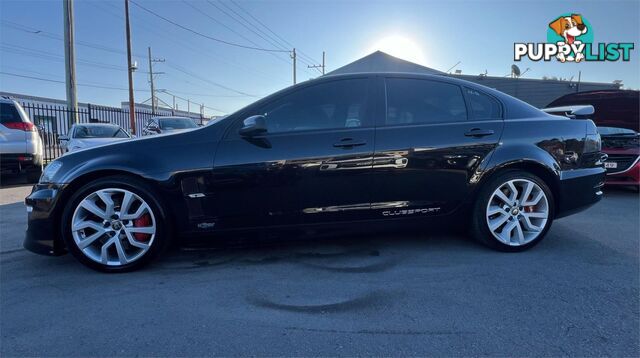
[[312, 166]]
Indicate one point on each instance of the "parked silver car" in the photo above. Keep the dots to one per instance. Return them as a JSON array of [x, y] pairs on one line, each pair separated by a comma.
[[20, 143], [86, 135], [164, 125]]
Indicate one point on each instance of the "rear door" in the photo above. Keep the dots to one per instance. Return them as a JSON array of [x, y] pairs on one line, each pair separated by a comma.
[[430, 141], [312, 166], [12, 139]]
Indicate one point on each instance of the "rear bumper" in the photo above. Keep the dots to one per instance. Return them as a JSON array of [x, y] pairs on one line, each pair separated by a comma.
[[43, 230], [20, 161], [579, 189]]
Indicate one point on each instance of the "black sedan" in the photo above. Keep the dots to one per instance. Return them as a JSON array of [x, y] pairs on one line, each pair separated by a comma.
[[385, 150]]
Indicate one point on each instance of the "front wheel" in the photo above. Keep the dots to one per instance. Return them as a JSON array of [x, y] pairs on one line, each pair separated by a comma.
[[115, 224], [513, 211]]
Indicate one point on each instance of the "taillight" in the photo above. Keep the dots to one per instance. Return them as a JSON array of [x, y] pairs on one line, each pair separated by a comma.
[[592, 143], [23, 126]]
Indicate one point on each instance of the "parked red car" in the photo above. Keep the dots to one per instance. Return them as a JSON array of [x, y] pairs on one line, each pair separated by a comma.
[[617, 118]]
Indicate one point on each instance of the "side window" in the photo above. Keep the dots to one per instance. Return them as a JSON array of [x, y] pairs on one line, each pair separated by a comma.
[[415, 101], [336, 104], [483, 106]]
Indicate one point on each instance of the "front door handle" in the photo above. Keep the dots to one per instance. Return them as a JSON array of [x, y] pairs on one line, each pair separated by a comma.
[[477, 132], [349, 143]]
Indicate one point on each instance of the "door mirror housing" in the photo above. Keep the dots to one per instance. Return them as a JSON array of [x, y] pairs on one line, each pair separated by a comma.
[[63, 138], [253, 126]]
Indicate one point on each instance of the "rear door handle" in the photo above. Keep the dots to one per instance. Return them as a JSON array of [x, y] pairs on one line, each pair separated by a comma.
[[349, 143], [477, 132]]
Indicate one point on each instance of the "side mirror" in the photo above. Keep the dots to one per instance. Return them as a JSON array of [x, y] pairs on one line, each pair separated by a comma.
[[153, 128], [63, 138], [253, 126]]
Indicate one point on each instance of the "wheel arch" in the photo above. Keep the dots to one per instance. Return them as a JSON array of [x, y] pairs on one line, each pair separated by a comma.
[[537, 168], [87, 177]]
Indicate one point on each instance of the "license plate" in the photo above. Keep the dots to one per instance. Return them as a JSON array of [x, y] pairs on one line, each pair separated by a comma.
[[611, 165]]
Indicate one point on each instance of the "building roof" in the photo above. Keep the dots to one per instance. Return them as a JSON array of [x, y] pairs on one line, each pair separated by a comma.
[[383, 62]]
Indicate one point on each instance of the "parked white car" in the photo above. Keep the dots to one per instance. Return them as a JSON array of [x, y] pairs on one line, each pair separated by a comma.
[[20, 143], [86, 135], [164, 125]]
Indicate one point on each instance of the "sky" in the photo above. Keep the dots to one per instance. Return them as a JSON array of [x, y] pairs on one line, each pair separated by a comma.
[[438, 34]]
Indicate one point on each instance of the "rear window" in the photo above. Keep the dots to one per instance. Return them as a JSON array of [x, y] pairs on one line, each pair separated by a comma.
[[99, 132], [9, 113], [415, 101], [176, 123], [483, 106]]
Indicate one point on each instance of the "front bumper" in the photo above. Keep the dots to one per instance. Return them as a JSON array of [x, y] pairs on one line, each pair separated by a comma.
[[629, 176], [579, 189], [43, 230]]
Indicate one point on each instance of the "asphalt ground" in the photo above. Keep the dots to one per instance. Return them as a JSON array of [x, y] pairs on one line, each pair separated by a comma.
[[417, 294]]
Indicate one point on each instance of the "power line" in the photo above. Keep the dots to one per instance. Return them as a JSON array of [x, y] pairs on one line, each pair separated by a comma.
[[186, 99], [53, 36], [181, 69], [287, 43], [204, 35], [58, 81], [166, 35], [249, 26]]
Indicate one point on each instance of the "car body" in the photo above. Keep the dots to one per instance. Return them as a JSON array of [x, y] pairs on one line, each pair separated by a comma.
[[20, 144], [336, 153], [168, 124], [87, 135], [617, 117]]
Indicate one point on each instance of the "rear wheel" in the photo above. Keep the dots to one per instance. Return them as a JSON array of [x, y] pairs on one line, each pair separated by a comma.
[[115, 224], [513, 211]]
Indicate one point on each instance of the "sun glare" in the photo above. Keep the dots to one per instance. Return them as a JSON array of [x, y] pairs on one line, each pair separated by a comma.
[[400, 47]]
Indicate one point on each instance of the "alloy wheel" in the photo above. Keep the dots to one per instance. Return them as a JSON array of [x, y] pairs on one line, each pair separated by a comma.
[[113, 226], [517, 212]]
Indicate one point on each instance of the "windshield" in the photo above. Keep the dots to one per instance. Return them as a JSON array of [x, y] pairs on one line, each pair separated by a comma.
[[615, 131], [99, 132], [176, 123]]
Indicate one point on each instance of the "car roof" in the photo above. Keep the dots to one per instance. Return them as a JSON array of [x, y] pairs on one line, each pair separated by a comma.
[[171, 117], [7, 100], [97, 124]]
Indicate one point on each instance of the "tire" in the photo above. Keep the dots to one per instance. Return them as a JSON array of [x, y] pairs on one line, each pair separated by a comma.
[[515, 227], [113, 239]]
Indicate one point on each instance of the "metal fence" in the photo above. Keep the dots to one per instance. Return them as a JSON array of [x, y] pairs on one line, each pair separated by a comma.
[[53, 121]]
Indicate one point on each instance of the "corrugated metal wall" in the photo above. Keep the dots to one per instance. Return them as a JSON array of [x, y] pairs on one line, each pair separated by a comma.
[[536, 92]]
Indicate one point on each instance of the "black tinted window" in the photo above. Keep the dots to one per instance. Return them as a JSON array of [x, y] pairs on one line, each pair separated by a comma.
[[336, 104], [9, 113], [414, 101], [176, 123], [483, 106]]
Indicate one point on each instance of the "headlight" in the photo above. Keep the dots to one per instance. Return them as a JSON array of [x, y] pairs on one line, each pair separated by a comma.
[[50, 171]]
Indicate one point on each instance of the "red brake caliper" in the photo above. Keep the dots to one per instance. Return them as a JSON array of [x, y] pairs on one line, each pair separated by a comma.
[[143, 221]]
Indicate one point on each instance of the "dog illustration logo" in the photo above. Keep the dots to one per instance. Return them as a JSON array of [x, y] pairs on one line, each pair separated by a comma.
[[570, 28], [570, 40]]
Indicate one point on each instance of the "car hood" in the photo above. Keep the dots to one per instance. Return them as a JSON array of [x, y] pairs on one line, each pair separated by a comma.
[[150, 155]]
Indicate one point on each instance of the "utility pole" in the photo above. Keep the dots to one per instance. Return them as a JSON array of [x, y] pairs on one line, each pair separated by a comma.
[[153, 92], [131, 68], [189, 106], [70, 62], [154, 100], [319, 66], [293, 56]]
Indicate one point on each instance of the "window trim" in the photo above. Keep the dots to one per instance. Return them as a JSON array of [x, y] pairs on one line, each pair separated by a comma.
[[382, 122], [234, 126]]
